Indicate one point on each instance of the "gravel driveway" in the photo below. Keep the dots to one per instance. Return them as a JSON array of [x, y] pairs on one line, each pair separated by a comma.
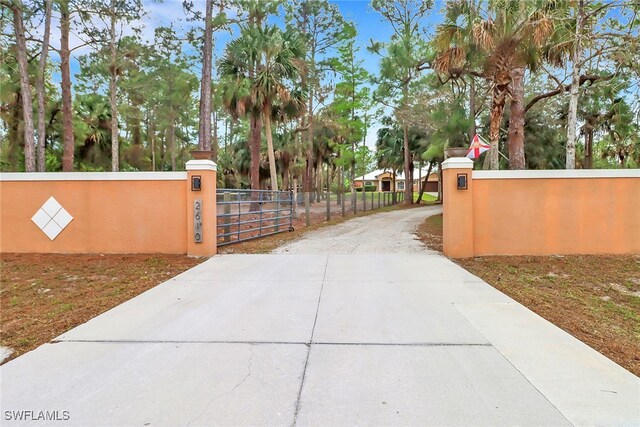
[[382, 233]]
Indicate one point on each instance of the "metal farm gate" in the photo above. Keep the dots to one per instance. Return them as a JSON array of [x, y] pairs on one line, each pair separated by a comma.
[[250, 214]]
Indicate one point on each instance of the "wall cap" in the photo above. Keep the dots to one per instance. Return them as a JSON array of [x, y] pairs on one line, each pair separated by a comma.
[[201, 165], [457, 163], [558, 173], [92, 176]]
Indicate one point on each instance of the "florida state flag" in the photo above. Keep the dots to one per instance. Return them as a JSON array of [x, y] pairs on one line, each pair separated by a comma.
[[478, 146]]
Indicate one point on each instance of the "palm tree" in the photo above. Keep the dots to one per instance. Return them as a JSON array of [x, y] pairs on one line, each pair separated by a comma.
[[389, 149], [509, 37], [281, 62], [288, 150], [237, 68], [260, 65]]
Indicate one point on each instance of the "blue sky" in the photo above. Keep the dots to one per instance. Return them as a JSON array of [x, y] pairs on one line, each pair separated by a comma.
[[369, 24]]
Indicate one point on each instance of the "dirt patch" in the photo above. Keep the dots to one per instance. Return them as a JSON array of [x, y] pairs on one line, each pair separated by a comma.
[[44, 295], [595, 298], [430, 232]]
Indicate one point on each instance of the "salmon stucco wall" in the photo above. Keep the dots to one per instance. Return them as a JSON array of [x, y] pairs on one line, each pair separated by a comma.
[[112, 213], [545, 213], [556, 216]]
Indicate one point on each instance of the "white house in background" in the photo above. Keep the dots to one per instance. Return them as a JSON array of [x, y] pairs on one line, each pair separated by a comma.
[[383, 180]]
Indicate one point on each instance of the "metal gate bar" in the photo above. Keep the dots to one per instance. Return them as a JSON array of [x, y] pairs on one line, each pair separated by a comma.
[[240, 210]]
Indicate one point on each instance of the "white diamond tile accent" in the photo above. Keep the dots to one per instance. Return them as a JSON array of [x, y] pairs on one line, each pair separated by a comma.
[[52, 218], [51, 207], [52, 230], [62, 218], [41, 219]]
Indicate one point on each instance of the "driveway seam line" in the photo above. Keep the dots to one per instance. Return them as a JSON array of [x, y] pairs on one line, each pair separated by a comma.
[[306, 362], [534, 387], [373, 344], [511, 363]]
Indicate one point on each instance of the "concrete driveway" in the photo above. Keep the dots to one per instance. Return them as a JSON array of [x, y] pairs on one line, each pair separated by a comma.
[[313, 337]]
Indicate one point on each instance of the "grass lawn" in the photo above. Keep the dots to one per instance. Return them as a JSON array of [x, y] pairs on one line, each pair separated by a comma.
[[44, 295], [426, 198], [595, 298]]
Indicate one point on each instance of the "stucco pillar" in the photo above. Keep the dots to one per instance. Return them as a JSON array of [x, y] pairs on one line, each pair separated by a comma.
[[457, 227], [201, 229]]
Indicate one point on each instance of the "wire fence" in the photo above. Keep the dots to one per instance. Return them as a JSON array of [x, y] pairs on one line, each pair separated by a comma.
[[332, 204]]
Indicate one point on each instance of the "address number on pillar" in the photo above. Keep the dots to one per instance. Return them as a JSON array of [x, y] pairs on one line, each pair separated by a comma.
[[197, 220]]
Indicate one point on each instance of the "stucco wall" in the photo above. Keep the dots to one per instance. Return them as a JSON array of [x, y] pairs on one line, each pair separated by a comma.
[[112, 213], [544, 213]]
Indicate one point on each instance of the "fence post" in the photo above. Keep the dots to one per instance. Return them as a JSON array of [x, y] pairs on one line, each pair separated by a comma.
[[294, 200], [291, 209], [261, 204], [202, 233], [307, 208], [328, 205], [457, 206], [364, 199], [378, 200], [277, 227], [226, 198]]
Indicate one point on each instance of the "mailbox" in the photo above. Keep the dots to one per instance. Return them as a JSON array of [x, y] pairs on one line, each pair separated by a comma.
[[196, 183], [462, 181]]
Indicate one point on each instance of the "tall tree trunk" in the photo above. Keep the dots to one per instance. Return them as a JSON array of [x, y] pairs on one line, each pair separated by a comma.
[[516, 121], [136, 125], [25, 88], [115, 147], [15, 137], [172, 143], [42, 68], [307, 86], [308, 177], [204, 127], [472, 109], [423, 185], [214, 137], [352, 185], [318, 171], [151, 134], [495, 118], [408, 183], [231, 136], [285, 178], [65, 86], [270, 152], [395, 187], [163, 148], [572, 116], [255, 125], [588, 147]]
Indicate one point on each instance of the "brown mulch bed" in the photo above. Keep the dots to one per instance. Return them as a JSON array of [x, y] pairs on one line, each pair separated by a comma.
[[44, 295], [595, 298]]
